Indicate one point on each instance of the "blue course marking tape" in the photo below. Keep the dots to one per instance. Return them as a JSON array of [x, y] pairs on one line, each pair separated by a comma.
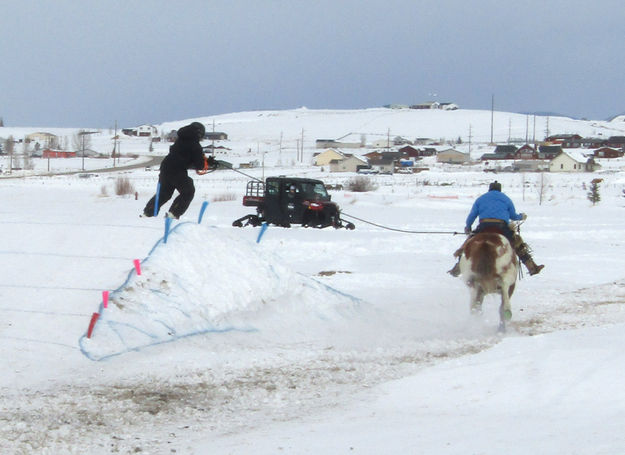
[[113, 324]]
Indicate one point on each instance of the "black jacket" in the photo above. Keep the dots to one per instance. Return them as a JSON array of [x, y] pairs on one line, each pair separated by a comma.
[[185, 153]]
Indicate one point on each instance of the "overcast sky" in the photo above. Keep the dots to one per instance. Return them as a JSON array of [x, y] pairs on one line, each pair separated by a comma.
[[87, 63]]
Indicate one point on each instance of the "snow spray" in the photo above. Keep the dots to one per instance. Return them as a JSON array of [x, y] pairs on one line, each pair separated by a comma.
[[262, 232], [202, 210], [167, 226], [137, 263], [105, 299], [158, 193]]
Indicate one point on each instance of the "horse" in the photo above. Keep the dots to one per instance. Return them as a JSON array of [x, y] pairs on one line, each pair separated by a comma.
[[488, 265]]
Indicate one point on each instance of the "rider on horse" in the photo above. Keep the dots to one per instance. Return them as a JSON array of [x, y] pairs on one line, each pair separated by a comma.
[[495, 211]]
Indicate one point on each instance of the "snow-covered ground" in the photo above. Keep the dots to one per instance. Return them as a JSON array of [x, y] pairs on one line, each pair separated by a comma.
[[310, 341]]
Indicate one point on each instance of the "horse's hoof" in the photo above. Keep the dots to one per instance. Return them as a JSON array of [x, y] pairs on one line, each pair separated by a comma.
[[507, 314]]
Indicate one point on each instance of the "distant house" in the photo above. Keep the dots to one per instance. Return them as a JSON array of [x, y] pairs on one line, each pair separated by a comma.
[[427, 151], [341, 143], [593, 142], [398, 140], [549, 152], [452, 156], [616, 142], [502, 152], [572, 161], [146, 131], [48, 140], [50, 153], [568, 141], [608, 152], [396, 106], [382, 143], [449, 106], [215, 136], [409, 151], [350, 163], [324, 158], [383, 164], [426, 105], [526, 152]]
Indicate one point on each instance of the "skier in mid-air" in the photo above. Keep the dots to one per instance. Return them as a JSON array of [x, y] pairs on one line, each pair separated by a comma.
[[186, 153]]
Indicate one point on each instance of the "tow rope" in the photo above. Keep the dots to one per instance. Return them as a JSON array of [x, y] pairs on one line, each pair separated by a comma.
[[408, 231]]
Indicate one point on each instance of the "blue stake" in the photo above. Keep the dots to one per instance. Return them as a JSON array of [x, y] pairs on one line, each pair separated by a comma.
[[262, 231], [158, 192], [167, 225], [202, 210]]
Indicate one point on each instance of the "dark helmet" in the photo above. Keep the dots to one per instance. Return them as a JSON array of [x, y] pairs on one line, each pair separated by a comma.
[[201, 131], [495, 186]]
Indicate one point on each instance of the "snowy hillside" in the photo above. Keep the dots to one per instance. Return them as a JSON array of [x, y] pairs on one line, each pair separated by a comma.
[[275, 136], [307, 341]]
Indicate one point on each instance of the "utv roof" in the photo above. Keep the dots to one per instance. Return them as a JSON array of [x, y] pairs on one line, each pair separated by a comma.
[[295, 179]]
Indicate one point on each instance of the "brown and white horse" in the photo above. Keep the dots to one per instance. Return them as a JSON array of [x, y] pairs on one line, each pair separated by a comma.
[[488, 266]]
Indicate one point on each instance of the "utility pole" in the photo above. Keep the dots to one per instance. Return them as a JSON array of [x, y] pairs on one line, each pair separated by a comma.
[[492, 116], [115, 143], [280, 150], [297, 151], [213, 141], [470, 136], [83, 134], [302, 150]]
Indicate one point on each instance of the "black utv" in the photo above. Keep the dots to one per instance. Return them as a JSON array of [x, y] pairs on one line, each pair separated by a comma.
[[285, 201]]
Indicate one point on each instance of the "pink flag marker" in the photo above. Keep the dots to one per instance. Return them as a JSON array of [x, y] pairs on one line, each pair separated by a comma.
[[94, 319], [105, 299], [138, 266]]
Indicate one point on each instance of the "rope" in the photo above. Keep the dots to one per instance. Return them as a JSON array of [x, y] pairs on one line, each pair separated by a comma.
[[400, 230], [222, 166]]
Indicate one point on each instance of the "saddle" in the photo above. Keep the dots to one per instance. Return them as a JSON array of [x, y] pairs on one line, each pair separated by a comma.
[[494, 228]]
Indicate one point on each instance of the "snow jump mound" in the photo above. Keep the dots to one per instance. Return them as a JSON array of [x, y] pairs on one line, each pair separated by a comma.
[[204, 280]]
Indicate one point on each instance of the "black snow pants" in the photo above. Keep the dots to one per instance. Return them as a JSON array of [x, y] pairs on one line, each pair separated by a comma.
[[169, 182]]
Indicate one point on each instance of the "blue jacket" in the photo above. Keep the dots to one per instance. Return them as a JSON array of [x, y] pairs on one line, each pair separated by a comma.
[[493, 204]]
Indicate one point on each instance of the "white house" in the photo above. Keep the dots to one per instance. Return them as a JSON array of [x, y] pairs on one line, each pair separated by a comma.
[[147, 130], [572, 161]]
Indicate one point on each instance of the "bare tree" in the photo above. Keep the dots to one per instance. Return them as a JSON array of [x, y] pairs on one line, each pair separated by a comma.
[[81, 141], [543, 185], [26, 158], [9, 147]]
